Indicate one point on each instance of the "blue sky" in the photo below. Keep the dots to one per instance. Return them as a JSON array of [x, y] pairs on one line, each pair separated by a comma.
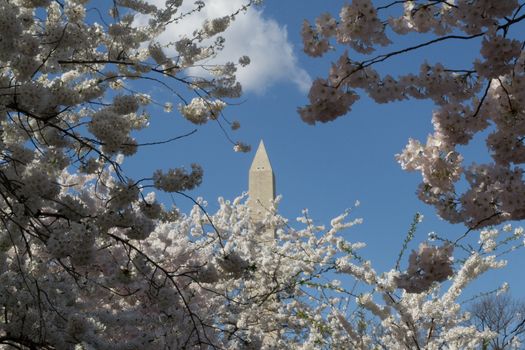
[[325, 168]]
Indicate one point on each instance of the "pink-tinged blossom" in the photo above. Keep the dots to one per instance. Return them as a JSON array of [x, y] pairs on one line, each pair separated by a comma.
[[428, 265]]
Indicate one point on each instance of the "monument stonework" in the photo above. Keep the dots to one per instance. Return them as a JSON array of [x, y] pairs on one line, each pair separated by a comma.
[[261, 185]]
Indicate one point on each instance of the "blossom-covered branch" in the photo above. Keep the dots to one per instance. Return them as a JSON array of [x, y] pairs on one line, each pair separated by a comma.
[[468, 101]]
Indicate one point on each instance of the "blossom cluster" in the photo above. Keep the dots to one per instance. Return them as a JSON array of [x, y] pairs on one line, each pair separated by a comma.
[[200, 111], [178, 179], [427, 266]]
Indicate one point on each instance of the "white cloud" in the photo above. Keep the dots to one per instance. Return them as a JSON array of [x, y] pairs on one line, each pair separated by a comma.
[[262, 39]]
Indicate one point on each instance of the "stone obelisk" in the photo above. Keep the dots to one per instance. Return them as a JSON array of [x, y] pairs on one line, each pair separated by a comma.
[[261, 186]]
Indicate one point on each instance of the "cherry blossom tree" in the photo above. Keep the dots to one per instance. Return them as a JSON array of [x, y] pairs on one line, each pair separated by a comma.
[[89, 259], [75, 269], [485, 95]]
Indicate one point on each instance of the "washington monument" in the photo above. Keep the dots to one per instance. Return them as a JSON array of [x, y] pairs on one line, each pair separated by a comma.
[[261, 185]]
